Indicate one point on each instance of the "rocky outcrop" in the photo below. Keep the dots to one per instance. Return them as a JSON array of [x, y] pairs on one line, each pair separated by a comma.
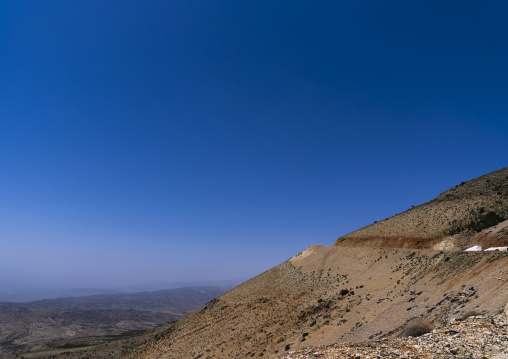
[[473, 337]]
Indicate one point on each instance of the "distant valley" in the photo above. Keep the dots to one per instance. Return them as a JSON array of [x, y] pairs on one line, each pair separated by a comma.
[[33, 325]]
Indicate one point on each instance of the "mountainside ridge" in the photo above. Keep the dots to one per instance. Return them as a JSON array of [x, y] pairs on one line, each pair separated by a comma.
[[452, 220], [364, 287]]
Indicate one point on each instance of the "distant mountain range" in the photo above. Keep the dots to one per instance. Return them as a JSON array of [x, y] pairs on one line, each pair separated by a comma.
[[181, 301], [30, 294]]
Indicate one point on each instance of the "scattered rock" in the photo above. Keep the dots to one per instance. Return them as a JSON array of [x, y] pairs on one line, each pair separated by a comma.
[[477, 337]]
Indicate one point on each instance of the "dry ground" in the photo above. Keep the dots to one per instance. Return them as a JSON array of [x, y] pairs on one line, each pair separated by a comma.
[[303, 302]]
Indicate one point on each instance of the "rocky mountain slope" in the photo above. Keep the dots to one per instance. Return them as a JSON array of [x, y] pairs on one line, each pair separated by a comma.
[[371, 285], [472, 337], [457, 218]]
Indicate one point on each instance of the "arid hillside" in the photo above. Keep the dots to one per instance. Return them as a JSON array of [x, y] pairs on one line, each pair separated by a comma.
[[369, 286], [330, 294], [457, 218]]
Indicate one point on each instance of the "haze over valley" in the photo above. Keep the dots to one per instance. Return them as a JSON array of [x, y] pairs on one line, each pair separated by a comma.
[[49, 323]]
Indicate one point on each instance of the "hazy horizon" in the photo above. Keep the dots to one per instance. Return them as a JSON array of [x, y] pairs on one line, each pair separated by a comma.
[[180, 142], [32, 293]]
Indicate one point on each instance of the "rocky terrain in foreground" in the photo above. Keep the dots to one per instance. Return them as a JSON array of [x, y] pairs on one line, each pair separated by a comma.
[[473, 337]]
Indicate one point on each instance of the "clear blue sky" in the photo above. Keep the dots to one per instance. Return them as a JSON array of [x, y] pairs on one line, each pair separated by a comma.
[[169, 141]]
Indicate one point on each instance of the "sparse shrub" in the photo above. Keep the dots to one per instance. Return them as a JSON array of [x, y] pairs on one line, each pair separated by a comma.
[[287, 347], [417, 327], [485, 221], [313, 323], [344, 291], [471, 313]]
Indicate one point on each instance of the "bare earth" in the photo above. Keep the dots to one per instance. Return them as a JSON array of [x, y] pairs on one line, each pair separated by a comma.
[[299, 303]]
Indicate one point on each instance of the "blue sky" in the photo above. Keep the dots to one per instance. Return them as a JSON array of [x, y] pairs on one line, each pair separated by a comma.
[[180, 141]]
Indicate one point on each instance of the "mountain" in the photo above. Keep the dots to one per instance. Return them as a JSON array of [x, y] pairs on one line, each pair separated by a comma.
[[457, 218], [370, 285], [9, 294], [181, 301]]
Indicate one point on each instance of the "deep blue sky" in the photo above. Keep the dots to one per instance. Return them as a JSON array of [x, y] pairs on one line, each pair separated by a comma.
[[169, 141]]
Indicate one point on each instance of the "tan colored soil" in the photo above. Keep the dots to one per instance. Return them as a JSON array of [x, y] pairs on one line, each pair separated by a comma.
[[303, 295], [367, 286]]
